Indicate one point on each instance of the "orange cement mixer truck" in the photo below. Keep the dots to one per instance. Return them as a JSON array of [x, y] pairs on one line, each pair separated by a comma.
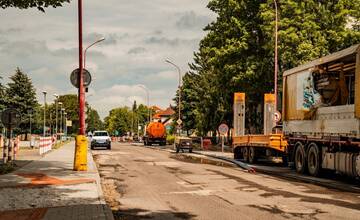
[[155, 134]]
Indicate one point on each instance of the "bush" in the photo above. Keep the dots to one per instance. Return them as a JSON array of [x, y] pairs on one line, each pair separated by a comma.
[[6, 168], [170, 139]]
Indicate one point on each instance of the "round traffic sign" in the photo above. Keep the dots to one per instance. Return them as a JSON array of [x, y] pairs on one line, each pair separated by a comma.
[[74, 77], [223, 129], [10, 117], [277, 116]]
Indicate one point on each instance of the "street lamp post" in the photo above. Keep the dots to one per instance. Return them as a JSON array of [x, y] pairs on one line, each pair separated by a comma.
[[132, 114], [61, 120], [30, 118], [179, 71], [65, 125], [98, 41], [56, 114], [44, 131], [60, 105], [276, 56], [148, 99]]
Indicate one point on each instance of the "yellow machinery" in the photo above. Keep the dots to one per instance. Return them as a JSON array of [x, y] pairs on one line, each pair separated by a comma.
[[250, 147]]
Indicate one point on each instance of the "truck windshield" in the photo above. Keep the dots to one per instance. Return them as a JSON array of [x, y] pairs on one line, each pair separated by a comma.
[[97, 134]]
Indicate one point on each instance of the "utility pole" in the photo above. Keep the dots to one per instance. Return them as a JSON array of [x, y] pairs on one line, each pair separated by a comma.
[[81, 144], [30, 118], [81, 91], [65, 126], [276, 57], [56, 114], [179, 71], [148, 100], [44, 132]]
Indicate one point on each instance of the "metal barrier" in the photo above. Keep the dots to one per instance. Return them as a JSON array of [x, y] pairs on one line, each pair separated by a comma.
[[16, 147], [45, 145]]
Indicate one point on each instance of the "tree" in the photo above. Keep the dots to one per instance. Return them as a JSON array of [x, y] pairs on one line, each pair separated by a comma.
[[2, 95], [39, 4], [21, 95], [237, 54], [70, 104], [122, 119], [119, 120], [93, 120]]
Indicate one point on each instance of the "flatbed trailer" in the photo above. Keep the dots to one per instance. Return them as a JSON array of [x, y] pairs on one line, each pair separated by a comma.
[[249, 147], [321, 117]]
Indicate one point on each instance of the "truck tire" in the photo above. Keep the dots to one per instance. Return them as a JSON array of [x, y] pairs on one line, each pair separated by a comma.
[[300, 158], [245, 153], [190, 150], [313, 160], [237, 153], [177, 149], [285, 160], [252, 155]]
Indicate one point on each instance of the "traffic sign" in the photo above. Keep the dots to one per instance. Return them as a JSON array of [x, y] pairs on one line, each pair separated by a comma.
[[10, 117], [74, 78], [179, 121], [223, 129], [277, 116]]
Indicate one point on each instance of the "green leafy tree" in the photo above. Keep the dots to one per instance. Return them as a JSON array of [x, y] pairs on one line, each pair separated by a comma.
[[39, 4], [93, 120], [70, 104], [21, 95], [119, 120], [2, 95], [2, 100], [123, 119], [237, 54]]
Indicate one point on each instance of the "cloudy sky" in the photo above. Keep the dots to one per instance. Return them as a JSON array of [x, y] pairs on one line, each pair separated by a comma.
[[140, 35]]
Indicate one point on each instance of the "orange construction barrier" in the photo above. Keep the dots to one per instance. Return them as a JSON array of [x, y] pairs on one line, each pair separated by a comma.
[[206, 144]]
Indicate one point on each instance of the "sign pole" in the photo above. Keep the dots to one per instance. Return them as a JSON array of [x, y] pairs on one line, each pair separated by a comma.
[[5, 153], [9, 159], [81, 144], [222, 143]]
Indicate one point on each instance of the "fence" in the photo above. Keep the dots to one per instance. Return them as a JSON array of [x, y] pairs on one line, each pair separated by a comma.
[[46, 144]]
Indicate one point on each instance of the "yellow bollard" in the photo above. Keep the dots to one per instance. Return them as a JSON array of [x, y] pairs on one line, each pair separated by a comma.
[[80, 160]]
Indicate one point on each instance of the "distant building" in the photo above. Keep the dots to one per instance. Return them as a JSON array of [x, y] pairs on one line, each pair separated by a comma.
[[165, 116]]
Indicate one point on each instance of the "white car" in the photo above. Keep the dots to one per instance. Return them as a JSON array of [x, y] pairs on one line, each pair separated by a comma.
[[101, 139]]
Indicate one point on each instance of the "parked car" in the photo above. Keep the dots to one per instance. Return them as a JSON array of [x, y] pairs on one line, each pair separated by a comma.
[[183, 143], [101, 139]]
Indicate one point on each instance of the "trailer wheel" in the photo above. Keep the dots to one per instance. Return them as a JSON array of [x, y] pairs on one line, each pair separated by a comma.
[[245, 151], [300, 158], [252, 155], [237, 153], [285, 160], [313, 160]]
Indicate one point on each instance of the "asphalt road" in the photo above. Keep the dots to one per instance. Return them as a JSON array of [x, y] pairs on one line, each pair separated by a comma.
[[143, 183]]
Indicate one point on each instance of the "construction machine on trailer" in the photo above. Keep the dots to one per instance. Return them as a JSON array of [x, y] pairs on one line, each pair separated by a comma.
[[321, 117]]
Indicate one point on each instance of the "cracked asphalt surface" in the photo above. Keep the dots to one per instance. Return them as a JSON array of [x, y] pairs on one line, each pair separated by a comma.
[[143, 183]]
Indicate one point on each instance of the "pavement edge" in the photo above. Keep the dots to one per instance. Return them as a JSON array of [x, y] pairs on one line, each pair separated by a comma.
[[106, 208]]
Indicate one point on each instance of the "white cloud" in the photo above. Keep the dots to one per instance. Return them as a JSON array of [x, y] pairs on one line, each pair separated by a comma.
[[139, 36]]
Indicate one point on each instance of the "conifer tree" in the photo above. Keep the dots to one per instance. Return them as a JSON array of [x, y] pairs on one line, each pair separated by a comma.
[[21, 95]]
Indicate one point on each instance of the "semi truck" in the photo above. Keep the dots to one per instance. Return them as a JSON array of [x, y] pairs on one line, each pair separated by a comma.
[[321, 118], [155, 133]]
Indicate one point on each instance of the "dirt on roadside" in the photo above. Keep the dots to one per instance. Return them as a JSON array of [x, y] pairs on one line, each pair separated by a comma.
[[111, 186]]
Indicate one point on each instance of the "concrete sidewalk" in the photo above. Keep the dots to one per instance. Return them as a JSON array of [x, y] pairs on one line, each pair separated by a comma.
[[49, 189]]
